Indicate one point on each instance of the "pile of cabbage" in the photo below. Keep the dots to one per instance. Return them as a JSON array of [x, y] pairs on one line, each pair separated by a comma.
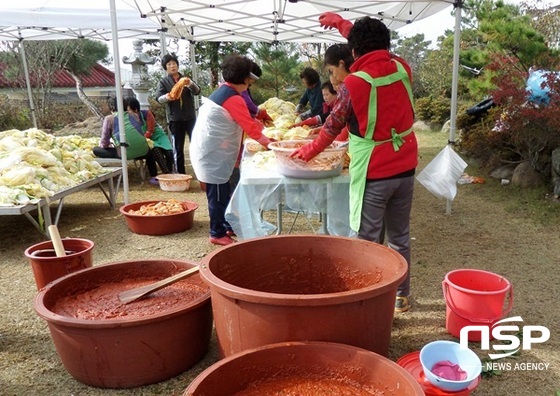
[[283, 116], [36, 165]]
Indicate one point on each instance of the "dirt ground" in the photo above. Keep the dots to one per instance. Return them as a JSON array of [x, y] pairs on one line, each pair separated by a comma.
[[484, 231]]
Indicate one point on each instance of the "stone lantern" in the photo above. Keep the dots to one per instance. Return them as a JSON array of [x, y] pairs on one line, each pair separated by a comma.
[[140, 82]]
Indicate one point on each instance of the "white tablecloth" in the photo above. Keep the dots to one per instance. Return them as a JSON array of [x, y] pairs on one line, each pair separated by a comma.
[[259, 190]]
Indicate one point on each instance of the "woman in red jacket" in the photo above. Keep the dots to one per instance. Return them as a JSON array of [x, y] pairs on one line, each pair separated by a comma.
[[382, 146]]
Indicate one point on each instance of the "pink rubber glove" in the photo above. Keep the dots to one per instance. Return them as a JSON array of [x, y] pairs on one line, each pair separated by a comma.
[[330, 20], [312, 149], [311, 121]]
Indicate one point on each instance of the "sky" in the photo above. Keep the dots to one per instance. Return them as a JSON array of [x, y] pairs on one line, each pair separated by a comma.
[[435, 25], [432, 27]]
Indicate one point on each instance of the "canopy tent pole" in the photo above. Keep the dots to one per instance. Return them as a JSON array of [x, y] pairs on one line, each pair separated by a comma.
[[192, 54], [455, 80], [194, 70], [28, 83], [455, 70], [118, 91]]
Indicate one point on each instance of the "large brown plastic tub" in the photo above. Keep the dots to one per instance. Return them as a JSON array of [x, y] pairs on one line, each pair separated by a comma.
[[121, 352], [303, 288], [319, 368]]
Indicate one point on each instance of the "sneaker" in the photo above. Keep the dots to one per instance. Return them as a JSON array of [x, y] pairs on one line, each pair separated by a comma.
[[223, 241], [154, 181], [230, 233], [402, 304]]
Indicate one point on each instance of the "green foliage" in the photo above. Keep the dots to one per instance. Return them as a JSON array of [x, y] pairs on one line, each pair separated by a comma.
[[477, 138], [279, 63], [80, 56], [209, 55], [434, 75], [423, 109], [15, 114], [434, 110], [500, 30], [516, 130], [503, 41], [414, 50]]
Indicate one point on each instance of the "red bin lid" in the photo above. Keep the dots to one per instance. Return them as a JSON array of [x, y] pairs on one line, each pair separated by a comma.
[[411, 363]]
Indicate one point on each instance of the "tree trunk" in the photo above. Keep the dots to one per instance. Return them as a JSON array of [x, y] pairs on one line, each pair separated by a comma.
[[83, 97]]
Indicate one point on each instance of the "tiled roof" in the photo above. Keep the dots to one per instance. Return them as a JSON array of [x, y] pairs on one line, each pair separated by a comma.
[[99, 76]]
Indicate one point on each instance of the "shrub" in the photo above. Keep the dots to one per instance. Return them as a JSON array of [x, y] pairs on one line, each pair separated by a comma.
[[15, 114], [516, 130], [479, 141], [433, 110]]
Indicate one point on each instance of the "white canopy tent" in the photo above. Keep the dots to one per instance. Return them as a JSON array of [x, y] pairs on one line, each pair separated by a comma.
[[53, 19], [208, 20], [290, 21], [275, 20]]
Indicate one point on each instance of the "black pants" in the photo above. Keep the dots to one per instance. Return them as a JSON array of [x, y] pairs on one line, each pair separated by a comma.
[[164, 159], [180, 130]]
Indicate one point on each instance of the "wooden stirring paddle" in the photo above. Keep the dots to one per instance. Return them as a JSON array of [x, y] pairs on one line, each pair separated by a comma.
[[56, 241], [140, 292]]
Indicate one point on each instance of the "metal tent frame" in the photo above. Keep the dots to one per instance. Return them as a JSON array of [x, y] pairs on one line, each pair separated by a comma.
[[207, 20]]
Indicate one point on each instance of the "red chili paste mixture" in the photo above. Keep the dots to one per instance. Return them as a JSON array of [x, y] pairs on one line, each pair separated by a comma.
[[304, 386], [307, 275], [103, 301]]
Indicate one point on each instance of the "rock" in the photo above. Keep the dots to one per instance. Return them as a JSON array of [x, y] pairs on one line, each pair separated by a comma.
[[503, 172], [421, 126], [525, 176], [446, 128]]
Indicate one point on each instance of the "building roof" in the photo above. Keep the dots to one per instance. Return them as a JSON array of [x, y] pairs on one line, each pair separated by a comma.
[[99, 76]]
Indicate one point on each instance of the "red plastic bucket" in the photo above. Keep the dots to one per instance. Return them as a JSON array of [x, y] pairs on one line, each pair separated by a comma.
[[47, 267], [475, 298]]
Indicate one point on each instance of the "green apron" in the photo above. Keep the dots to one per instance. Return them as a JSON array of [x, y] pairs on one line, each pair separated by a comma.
[[159, 137], [137, 143], [361, 149]]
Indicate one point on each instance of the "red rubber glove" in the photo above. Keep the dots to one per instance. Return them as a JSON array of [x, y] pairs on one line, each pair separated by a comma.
[[263, 116], [314, 133], [312, 149], [311, 121], [265, 141], [330, 20]]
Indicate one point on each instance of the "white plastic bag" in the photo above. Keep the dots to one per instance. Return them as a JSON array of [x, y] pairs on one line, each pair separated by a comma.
[[441, 174]]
